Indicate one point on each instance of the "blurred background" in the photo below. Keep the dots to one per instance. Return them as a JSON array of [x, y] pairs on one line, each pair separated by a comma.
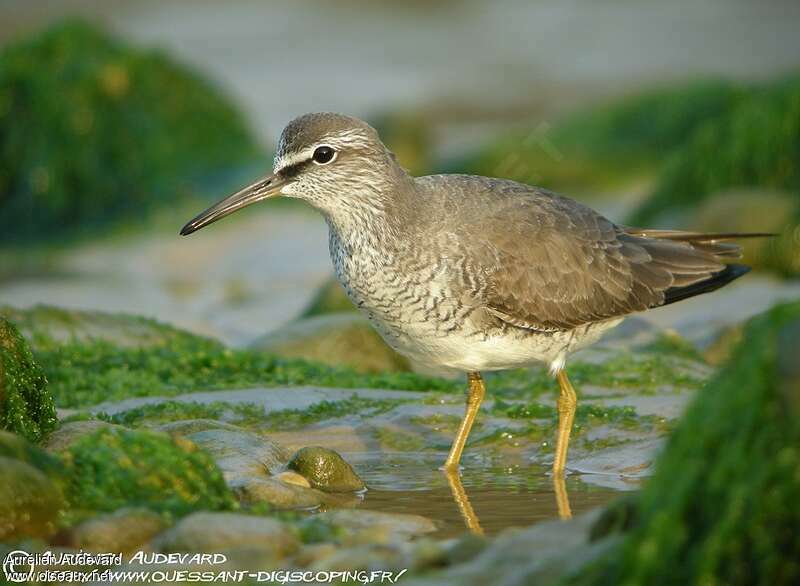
[[121, 120]]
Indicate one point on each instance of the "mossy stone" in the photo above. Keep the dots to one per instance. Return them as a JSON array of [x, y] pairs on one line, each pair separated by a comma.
[[721, 507], [114, 468], [325, 469], [26, 406], [95, 130], [46, 325], [16, 448], [335, 339], [29, 501]]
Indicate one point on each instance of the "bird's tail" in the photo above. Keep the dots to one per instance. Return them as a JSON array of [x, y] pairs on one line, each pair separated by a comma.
[[707, 270]]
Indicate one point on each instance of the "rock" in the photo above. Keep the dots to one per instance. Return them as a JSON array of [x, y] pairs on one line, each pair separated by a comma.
[[329, 298], [541, 554], [735, 453], [325, 469], [189, 426], [68, 325], [282, 495], [216, 532], [368, 557], [15, 447], [399, 526], [29, 501], [721, 347], [336, 339], [757, 211], [123, 531], [71, 432], [240, 453], [112, 468], [26, 407], [291, 477]]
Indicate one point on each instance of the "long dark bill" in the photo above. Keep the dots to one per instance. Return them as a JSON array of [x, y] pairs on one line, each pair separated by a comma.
[[269, 186]]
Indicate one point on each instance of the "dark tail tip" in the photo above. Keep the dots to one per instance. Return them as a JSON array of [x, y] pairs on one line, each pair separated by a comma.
[[729, 274]]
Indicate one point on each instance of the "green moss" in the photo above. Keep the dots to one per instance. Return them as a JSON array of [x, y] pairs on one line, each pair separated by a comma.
[[721, 507], [93, 130], [83, 374], [609, 143], [26, 406], [355, 405], [757, 143], [166, 411], [110, 469]]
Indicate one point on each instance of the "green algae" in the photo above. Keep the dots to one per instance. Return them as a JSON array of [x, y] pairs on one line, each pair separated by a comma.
[[84, 374], [324, 410], [111, 469], [26, 406], [608, 144], [721, 507], [91, 135]]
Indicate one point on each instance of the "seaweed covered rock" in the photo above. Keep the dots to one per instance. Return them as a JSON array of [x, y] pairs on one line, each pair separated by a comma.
[[608, 143], [45, 326], [325, 469], [26, 406], [92, 130], [112, 468], [30, 501], [755, 144], [722, 505], [335, 339]]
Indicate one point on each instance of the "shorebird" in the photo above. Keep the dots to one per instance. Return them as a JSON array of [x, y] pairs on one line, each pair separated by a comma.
[[476, 273]]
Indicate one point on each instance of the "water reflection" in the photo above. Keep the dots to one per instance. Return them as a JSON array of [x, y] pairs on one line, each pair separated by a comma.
[[483, 499]]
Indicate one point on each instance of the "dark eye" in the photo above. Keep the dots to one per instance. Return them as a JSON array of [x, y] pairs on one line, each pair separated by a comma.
[[323, 155]]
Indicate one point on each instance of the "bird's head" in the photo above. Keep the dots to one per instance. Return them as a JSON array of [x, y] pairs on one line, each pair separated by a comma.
[[334, 162]]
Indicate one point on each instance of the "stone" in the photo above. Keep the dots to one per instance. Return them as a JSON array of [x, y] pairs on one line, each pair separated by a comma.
[[124, 530], [240, 453], [216, 532], [70, 432], [29, 501], [336, 339], [399, 526], [15, 447], [325, 469], [290, 477], [279, 494]]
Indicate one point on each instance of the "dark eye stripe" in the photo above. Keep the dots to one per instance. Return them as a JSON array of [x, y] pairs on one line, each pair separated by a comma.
[[293, 170]]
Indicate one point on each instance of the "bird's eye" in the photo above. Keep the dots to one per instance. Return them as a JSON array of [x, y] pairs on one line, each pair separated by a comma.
[[323, 155]]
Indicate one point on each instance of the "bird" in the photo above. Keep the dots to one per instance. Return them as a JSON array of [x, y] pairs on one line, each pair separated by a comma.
[[473, 273]]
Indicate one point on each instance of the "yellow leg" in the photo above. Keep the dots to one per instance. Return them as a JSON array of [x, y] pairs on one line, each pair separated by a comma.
[[462, 501], [474, 397], [567, 402], [562, 497]]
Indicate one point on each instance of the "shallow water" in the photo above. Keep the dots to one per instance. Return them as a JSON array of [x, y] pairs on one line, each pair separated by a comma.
[[488, 500]]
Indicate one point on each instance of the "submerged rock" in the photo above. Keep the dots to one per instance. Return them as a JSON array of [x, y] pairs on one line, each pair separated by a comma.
[[216, 532], [336, 339], [240, 453], [26, 406], [29, 501], [277, 493], [325, 469], [124, 531]]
